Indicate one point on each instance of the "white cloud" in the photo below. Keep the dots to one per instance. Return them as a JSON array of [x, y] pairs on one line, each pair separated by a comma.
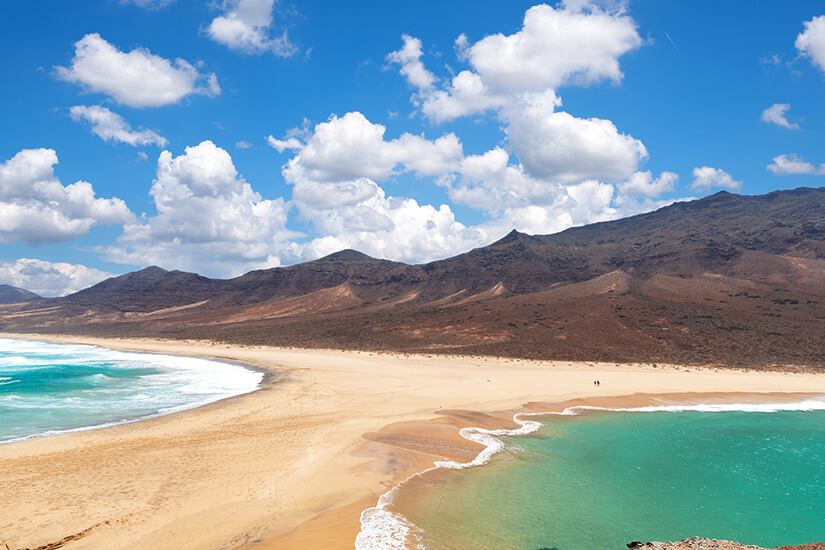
[[515, 76], [579, 43], [643, 184], [466, 95], [388, 227], [785, 165], [593, 202], [409, 57], [775, 114], [36, 208], [352, 147], [244, 27], [47, 278], [811, 42], [137, 78], [556, 47], [208, 219], [706, 178], [334, 173], [282, 145], [113, 127], [491, 183], [243, 145], [560, 147]]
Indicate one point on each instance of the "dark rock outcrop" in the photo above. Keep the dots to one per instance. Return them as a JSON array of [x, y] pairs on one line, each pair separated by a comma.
[[698, 543]]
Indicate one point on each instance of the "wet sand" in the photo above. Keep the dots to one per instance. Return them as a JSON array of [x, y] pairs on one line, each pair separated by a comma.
[[293, 464]]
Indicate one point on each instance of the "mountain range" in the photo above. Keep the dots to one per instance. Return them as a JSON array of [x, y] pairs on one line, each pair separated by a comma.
[[727, 280]]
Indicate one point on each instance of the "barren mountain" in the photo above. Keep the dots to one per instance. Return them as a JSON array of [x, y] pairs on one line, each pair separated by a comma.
[[724, 280], [13, 295]]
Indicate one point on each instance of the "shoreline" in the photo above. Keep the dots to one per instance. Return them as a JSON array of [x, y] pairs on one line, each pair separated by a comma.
[[293, 464], [267, 376], [386, 522]]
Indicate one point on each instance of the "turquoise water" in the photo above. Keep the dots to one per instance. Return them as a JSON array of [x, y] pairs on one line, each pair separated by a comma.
[[47, 389], [603, 479]]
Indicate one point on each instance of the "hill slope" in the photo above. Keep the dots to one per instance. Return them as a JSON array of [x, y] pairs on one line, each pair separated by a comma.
[[13, 295], [728, 280]]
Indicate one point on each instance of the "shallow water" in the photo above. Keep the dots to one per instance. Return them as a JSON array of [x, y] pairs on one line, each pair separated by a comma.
[[47, 389], [603, 479]]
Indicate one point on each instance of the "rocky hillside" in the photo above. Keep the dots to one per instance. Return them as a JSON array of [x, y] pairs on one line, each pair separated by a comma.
[[725, 280]]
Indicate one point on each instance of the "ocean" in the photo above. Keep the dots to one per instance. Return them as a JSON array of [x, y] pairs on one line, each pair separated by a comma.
[[48, 389], [601, 479]]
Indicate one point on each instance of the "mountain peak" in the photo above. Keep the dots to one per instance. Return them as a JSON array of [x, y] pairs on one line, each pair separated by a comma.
[[511, 237], [12, 295], [346, 255]]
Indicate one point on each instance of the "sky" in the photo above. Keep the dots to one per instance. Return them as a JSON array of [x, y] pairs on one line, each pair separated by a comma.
[[224, 136]]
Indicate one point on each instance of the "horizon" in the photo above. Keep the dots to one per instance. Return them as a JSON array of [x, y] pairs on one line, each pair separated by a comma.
[[274, 133]]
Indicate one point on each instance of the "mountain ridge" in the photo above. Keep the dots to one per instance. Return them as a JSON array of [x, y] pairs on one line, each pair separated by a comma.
[[721, 280]]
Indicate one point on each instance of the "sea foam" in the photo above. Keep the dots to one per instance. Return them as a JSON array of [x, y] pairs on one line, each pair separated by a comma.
[[48, 389], [386, 530]]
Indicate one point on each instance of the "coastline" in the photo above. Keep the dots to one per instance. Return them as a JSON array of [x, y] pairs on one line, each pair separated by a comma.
[[266, 375], [298, 461]]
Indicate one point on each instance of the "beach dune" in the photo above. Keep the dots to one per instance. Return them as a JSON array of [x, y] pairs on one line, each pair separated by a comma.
[[293, 464]]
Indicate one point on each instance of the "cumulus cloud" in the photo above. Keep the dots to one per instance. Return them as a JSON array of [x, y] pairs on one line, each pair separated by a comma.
[[549, 155], [282, 145], [244, 27], [243, 145], [337, 170], [137, 78], [643, 184], [578, 43], [351, 147], [333, 174], [466, 95], [409, 57], [208, 218], [491, 183], [555, 169], [557, 46], [560, 147], [706, 178], [775, 114], [113, 127], [811, 42], [388, 227], [47, 278], [787, 165], [36, 208]]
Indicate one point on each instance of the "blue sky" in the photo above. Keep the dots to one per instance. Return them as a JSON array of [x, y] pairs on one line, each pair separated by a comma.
[[224, 136]]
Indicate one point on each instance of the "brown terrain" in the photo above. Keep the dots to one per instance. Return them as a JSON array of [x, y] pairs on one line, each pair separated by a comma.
[[727, 280]]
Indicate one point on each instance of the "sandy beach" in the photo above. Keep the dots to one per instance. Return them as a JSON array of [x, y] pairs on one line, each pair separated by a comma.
[[293, 464]]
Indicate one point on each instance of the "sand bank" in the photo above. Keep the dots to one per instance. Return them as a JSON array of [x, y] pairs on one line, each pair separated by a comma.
[[287, 466]]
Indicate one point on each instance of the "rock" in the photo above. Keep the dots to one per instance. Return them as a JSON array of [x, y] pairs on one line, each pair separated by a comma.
[[698, 543]]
